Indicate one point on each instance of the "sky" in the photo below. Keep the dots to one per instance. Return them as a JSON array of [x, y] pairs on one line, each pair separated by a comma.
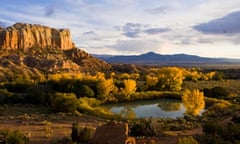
[[209, 28]]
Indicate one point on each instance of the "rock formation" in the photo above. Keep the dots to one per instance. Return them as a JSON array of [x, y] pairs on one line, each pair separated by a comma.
[[113, 133], [31, 51], [25, 36]]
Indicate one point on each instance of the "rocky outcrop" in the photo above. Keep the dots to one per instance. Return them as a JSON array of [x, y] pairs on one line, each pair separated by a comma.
[[33, 51], [25, 36], [113, 133]]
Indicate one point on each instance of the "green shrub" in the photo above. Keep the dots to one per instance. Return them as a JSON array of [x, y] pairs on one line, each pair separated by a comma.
[[221, 133], [236, 119], [64, 102], [17, 87], [85, 91], [216, 92], [211, 127], [213, 139], [81, 135], [92, 106], [38, 94], [155, 95], [4, 96], [13, 137], [64, 140], [142, 128], [187, 140]]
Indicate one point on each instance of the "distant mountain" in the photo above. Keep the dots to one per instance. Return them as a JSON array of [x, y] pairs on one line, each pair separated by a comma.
[[152, 58]]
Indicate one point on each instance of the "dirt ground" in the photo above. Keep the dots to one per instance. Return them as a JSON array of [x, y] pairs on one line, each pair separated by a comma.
[[40, 126], [43, 127]]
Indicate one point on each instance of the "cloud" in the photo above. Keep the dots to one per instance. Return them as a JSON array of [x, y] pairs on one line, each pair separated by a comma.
[[133, 30], [153, 31], [158, 10], [227, 25], [89, 33], [50, 10]]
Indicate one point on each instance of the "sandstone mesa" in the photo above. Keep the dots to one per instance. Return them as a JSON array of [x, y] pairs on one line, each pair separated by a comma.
[[24, 36]]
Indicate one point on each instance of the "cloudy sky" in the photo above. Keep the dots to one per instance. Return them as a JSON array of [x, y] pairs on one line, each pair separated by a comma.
[[208, 28]]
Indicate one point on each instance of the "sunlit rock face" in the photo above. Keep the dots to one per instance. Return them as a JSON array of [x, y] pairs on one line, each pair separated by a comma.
[[113, 133], [25, 36]]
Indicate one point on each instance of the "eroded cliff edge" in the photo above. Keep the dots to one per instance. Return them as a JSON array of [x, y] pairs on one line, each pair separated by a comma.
[[25, 36], [30, 50]]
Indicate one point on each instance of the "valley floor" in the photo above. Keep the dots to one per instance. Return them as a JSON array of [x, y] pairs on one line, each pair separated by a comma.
[[43, 127]]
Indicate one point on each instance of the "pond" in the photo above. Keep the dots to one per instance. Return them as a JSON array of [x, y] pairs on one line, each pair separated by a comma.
[[162, 108]]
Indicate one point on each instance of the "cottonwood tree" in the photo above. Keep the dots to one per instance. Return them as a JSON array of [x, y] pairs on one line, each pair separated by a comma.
[[105, 89], [130, 87], [170, 78], [151, 82], [193, 101]]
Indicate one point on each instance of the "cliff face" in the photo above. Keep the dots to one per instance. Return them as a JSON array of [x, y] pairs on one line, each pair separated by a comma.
[[24, 36], [29, 50]]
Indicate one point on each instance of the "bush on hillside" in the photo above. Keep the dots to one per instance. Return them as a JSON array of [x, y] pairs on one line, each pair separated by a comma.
[[217, 92], [187, 140], [64, 102], [13, 137], [81, 135]]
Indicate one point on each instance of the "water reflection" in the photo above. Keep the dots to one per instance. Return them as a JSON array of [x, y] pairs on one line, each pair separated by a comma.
[[127, 112], [164, 108], [169, 105]]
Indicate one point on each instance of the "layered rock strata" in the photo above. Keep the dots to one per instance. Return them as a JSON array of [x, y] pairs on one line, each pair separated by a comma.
[[24, 36]]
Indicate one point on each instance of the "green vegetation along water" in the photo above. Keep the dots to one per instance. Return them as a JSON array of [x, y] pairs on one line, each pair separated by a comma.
[[162, 108]]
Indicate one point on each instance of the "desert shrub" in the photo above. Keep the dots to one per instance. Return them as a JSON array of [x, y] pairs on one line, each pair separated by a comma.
[[38, 94], [17, 87], [155, 95], [64, 102], [236, 119], [142, 128], [88, 102], [4, 96], [219, 106], [213, 139], [187, 140], [17, 98], [92, 106], [218, 76], [211, 127], [216, 92], [85, 91], [13, 137], [221, 133], [211, 101], [64, 140], [81, 135]]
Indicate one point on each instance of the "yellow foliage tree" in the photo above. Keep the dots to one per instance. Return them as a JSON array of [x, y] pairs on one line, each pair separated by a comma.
[[130, 87], [105, 89], [210, 75], [193, 101], [170, 78], [151, 81], [100, 76]]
